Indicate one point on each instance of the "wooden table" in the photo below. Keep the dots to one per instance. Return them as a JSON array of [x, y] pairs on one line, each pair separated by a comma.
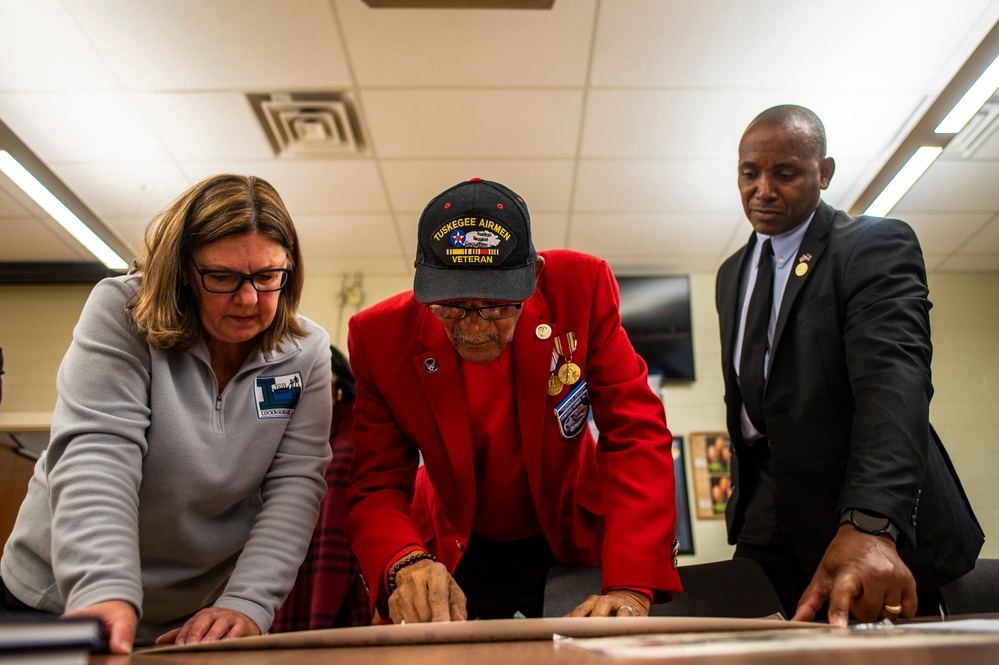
[[935, 650]]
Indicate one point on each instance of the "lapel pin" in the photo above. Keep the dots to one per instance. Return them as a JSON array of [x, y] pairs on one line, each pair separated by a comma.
[[802, 266], [430, 365], [543, 331]]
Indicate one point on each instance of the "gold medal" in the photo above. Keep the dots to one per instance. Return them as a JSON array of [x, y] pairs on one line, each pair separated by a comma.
[[569, 373], [554, 385], [801, 269]]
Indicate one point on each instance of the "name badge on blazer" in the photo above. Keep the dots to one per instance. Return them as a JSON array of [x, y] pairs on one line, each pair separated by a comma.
[[573, 410]]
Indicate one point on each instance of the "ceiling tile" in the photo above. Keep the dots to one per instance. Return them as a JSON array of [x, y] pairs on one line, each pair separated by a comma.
[[708, 124], [544, 184], [985, 241], [259, 45], [713, 43], [347, 237], [10, 208], [43, 48], [920, 33], [850, 178], [480, 48], [952, 186], [612, 185], [473, 123], [131, 192], [130, 229], [933, 262], [37, 241], [943, 233], [310, 187], [986, 146], [80, 126], [205, 126], [549, 230], [667, 123]]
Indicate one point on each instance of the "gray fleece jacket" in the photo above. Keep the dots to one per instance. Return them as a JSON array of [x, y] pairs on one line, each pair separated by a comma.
[[158, 490]]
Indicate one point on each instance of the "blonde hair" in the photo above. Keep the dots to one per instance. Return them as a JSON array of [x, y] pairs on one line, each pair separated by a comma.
[[163, 309]]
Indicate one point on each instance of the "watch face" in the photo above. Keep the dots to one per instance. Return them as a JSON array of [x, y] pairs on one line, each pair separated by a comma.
[[870, 523]]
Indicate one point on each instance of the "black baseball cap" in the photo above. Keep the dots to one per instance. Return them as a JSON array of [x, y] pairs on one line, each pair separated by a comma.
[[474, 243]]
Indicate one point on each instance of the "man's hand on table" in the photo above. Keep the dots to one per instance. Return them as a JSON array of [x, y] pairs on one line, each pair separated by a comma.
[[425, 591], [861, 573], [618, 603]]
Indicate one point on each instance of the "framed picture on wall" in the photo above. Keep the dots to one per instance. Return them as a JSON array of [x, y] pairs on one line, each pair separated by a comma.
[[684, 532], [710, 459]]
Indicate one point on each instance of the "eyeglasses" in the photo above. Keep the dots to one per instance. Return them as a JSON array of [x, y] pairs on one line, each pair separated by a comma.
[[491, 313], [227, 281]]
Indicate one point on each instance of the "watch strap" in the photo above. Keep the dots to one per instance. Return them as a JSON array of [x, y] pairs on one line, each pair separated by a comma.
[[865, 522]]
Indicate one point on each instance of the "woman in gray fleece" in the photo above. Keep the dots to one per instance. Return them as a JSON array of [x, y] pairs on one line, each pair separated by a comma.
[[183, 477]]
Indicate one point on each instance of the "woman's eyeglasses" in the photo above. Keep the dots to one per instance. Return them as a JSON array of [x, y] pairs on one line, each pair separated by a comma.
[[227, 281]]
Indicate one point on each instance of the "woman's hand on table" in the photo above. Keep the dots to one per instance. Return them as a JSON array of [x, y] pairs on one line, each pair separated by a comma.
[[209, 625], [119, 619]]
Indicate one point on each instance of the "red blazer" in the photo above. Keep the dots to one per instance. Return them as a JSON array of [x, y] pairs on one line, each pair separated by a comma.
[[609, 503]]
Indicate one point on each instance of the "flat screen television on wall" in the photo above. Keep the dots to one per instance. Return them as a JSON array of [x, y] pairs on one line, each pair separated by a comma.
[[655, 312]]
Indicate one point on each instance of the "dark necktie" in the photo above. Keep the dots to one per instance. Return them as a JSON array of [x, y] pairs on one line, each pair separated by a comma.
[[755, 341]]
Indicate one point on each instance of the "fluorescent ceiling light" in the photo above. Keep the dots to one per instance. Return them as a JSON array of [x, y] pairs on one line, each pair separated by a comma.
[[59, 212], [903, 180], [979, 93]]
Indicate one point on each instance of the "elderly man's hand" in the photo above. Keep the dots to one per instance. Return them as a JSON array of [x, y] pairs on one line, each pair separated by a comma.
[[861, 573], [425, 591], [619, 603]]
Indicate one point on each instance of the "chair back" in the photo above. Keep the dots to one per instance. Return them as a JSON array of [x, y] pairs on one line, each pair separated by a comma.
[[976, 592], [732, 588]]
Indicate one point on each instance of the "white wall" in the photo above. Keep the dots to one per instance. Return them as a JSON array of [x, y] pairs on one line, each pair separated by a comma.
[[965, 406], [36, 326]]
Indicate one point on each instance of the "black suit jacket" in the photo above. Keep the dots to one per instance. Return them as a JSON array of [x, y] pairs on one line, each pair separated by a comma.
[[847, 397]]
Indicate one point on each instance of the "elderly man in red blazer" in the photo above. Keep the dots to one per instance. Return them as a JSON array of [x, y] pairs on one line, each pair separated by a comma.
[[489, 370]]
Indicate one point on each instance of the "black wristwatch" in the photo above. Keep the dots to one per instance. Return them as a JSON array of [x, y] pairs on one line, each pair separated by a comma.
[[867, 523]]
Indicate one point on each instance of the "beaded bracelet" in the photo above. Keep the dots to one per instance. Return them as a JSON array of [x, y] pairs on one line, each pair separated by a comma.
[[402, 563]]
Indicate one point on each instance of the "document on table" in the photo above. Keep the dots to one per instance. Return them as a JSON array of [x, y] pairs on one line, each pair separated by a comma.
[[822, 638], [957, 626]]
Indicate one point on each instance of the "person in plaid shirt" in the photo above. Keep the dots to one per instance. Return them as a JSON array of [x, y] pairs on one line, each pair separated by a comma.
[[329, 591]]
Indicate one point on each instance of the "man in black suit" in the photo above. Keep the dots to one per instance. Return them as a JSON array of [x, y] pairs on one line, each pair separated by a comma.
[[842, 490]]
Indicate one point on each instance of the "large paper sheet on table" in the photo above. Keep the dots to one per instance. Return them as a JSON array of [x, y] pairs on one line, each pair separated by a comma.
[[500, 630], [884, 635]]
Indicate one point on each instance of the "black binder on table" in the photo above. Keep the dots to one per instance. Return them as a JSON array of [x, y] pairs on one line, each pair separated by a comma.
[[51, 640]]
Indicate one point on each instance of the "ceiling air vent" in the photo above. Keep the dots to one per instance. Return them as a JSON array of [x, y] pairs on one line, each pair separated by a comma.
[[310, 124], [978, 130]]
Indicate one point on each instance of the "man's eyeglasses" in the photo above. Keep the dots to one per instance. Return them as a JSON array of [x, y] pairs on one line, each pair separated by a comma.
[[491, 313], [227, 281]]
